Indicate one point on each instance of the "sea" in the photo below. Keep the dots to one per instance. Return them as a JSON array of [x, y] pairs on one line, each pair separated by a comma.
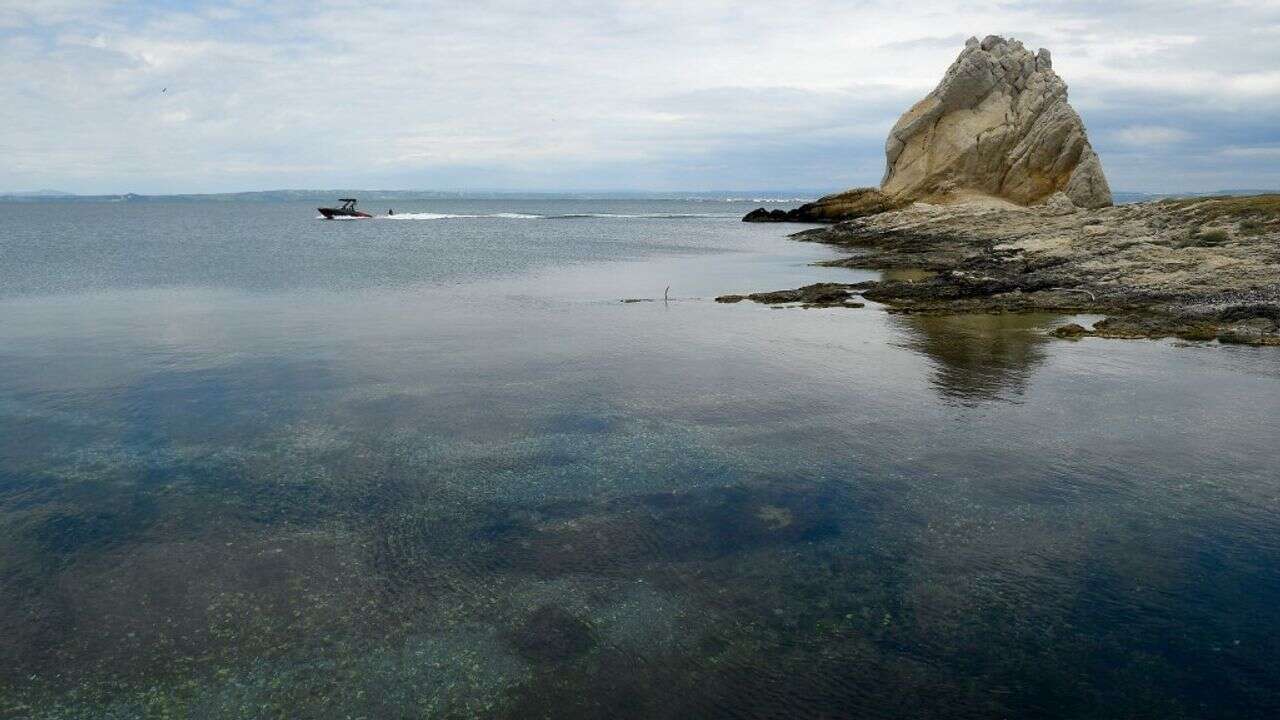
[[509, 459]]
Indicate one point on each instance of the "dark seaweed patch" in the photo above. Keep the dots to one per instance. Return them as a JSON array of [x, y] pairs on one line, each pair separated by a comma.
[[552, 634], [579, 424], [632, 533]]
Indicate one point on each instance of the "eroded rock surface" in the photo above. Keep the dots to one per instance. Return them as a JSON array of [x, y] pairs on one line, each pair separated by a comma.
[[998, 124], [1199, 269]]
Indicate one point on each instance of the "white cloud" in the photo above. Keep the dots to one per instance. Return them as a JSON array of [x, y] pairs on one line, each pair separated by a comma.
[[1260, 153], [1148, 135], [407, 92]]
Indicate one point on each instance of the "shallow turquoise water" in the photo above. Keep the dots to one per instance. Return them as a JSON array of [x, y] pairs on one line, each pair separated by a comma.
[[253, 464]]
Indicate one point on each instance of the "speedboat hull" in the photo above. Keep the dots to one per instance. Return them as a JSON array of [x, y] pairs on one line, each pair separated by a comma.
[[331, 213]]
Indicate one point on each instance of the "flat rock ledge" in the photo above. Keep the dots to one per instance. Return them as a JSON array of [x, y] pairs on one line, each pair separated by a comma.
[[1197, 269]]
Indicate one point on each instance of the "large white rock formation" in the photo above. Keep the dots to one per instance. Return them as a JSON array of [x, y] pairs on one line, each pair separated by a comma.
[[998, 124]]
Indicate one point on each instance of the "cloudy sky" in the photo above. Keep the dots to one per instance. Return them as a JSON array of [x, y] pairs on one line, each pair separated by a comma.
[[219, 95]]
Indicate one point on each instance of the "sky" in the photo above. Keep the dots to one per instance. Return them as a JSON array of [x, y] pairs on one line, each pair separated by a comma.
[[176, 96]]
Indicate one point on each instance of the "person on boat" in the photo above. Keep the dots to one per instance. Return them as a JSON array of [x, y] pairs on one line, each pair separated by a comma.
[[390, 211]]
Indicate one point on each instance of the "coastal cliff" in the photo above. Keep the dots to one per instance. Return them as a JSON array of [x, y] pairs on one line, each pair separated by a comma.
[[998, 125], [992, 190]]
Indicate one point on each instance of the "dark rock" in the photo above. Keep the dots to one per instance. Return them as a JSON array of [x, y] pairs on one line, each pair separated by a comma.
[[1070, 330], [1157, 324], [1239, 335], [1239, 313], [816, 295], [553, 634], [1255, 331], [763, 215], [847, 205]]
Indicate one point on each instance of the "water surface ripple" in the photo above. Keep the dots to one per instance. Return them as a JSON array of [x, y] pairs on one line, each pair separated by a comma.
[[253, 464]]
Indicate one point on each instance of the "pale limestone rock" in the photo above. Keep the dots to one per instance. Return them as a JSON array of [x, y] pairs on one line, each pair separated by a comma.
[[1060, 204], [999, 124]]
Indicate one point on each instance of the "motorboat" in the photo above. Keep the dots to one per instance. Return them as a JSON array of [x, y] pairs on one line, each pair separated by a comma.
[[347, 210]]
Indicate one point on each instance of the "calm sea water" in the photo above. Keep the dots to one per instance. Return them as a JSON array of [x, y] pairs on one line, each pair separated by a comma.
[[254, 464]]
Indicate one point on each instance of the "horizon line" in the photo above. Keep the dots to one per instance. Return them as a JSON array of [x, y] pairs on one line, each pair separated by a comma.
[[797, 193]]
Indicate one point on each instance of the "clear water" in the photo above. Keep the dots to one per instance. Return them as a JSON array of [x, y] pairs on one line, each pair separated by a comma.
[[254, 464]]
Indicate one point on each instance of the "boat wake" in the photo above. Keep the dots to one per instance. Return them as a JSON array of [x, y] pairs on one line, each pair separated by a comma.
[[563, 216], [455, 216], [644, 216]]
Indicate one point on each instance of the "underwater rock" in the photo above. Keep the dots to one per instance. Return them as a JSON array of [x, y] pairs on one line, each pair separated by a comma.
[[553, 634]]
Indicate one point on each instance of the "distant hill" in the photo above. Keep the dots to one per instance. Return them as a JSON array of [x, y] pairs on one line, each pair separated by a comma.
[[36, 194]]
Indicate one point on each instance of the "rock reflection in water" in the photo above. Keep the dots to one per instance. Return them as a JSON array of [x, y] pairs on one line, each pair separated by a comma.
[[979, 357]]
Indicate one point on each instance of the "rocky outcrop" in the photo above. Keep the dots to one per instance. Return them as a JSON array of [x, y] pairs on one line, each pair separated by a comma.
[[998, 125], [1198, 269], [846, 205], [816, 295]]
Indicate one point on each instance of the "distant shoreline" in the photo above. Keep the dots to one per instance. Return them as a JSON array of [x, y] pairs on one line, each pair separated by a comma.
[[751, 196]]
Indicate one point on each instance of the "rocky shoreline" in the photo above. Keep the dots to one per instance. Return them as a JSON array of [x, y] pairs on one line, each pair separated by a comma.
[[992, 189], [1198, 269]]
